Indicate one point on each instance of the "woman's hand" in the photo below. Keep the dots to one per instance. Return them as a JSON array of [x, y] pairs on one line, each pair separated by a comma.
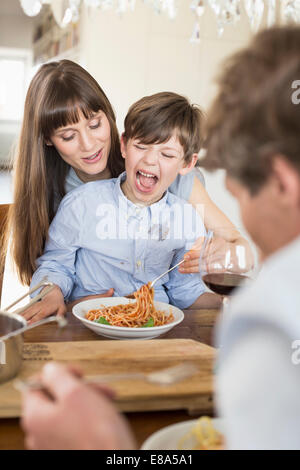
[[52, 304], [108, 293], [72, 415]]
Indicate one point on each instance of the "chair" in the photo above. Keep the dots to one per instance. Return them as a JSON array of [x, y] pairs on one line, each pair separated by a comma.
[[3, 216]]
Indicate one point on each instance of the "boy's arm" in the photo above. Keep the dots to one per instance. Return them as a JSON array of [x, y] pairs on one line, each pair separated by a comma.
[[57, 265]]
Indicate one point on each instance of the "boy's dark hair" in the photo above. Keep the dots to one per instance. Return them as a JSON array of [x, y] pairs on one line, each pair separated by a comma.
[[254, 117], [153, 119]]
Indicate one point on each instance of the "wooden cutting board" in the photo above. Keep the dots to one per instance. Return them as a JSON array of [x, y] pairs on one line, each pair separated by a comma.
[[96, 357]]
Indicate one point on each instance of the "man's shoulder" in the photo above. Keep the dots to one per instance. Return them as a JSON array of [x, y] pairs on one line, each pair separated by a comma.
[[280, 274], [287, 257], [273, 299]]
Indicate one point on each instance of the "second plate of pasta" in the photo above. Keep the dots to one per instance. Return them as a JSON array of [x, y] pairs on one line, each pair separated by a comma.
[[203, 434], [98, 323]]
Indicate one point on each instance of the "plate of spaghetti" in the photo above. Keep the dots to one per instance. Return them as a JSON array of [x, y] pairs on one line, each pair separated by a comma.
[[204, 433], [123, 318]]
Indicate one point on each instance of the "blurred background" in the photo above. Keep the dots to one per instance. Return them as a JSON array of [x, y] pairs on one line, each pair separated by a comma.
[[132, 48]]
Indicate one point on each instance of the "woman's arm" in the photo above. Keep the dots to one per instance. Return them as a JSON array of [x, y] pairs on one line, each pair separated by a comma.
[[214, 218]]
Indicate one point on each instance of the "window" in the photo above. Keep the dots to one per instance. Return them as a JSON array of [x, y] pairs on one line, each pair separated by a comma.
[[15, 69], [14, 73]]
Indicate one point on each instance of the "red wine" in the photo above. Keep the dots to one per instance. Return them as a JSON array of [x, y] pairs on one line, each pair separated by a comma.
[[223, 283]]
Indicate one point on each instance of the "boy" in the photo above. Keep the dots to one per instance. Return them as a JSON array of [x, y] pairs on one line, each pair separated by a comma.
[[124, 232]]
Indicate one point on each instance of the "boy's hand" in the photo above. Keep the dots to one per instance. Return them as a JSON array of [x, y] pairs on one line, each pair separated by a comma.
[[52, 304]]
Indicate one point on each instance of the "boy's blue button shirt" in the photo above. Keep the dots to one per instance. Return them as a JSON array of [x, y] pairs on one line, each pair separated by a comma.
[[99, 239]]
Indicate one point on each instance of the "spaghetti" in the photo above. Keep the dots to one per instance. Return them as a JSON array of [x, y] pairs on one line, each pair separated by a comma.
[[134, 315], [205, 435]]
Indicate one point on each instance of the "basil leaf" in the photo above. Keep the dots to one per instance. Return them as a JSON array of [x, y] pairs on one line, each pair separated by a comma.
[[103, 321], [149, 323]]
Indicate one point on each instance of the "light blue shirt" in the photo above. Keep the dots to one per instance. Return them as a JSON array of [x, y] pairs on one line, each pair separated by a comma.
[[99, 239]]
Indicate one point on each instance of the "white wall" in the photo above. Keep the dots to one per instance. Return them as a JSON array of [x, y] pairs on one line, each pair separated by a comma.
[[143, 52], [16, 31]]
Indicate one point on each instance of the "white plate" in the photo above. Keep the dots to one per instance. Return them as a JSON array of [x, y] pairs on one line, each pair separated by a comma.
[[169, 437], [121, 332]]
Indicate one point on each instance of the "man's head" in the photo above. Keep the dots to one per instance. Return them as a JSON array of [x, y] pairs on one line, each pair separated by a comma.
[[253, 132], [162, 138]]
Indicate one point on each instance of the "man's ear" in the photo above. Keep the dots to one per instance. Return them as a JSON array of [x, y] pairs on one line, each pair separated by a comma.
[[287, 180], [123, 145], [189, 166]]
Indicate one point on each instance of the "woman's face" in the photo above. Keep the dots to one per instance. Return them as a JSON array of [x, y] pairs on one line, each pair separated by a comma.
[[84, 145]]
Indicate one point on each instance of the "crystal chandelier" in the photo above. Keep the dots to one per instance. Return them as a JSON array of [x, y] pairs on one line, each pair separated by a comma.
[[227, 12]]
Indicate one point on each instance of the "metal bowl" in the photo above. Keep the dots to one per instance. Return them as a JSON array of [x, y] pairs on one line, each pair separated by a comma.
[[11, 348], [12, 325]]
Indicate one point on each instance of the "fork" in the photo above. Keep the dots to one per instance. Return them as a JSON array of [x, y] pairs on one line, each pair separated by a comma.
[[163, 274], [207, 239], [131, 296], [166, 376]]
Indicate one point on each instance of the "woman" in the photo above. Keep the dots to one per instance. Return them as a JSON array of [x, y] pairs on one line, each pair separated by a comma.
[[64, 105]]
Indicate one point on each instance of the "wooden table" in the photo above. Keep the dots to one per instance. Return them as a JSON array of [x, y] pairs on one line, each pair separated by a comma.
[[197, 325]]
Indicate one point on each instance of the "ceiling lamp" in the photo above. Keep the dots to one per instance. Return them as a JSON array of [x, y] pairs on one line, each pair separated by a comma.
[[227, 12]]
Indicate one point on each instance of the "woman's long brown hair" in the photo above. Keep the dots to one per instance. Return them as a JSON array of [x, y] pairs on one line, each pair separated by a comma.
[[58, 93]]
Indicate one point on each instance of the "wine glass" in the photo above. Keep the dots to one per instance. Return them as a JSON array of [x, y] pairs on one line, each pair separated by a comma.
[[225, 265]]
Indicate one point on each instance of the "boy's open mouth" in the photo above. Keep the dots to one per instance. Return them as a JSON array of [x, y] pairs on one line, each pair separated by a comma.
[[145, 181]]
